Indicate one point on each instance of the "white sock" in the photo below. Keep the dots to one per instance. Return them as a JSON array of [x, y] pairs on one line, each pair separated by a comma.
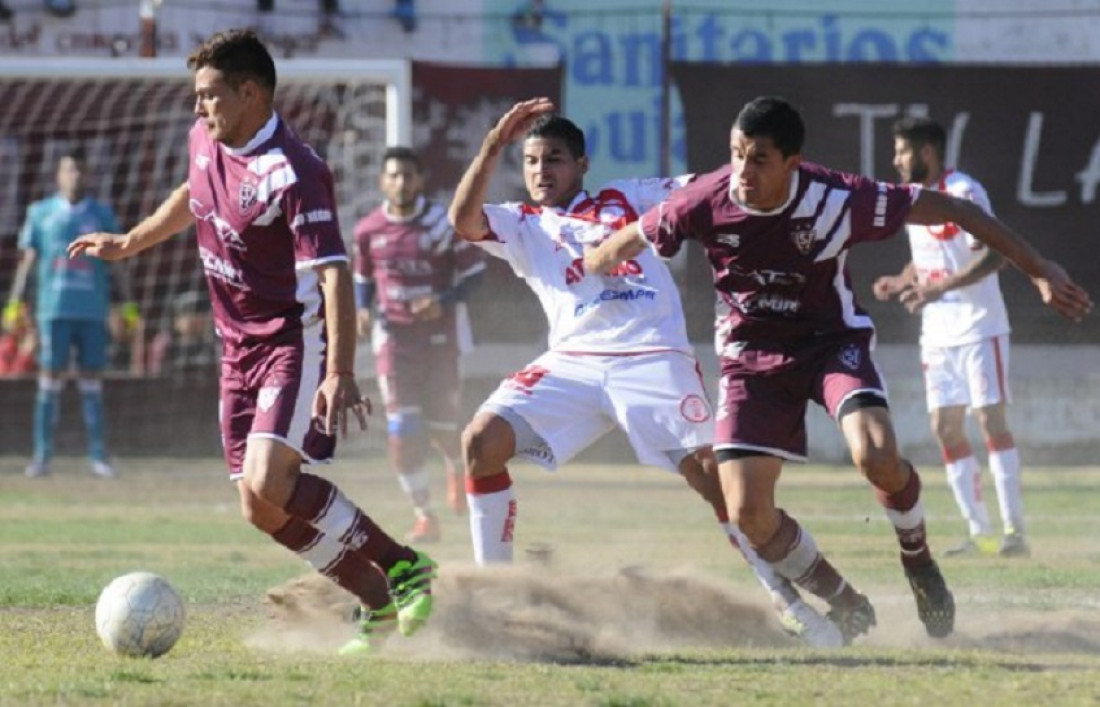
[[781, 590], [492, 521], [417, 486], [964, 478], [1005, 466]]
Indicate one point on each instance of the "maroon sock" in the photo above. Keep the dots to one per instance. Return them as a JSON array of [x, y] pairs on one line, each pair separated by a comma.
[[321, 504], [792, 553], [904, 510], [345, 568]]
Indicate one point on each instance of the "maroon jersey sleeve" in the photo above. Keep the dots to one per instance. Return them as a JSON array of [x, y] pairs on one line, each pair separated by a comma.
[[676, 219], [363, 268], [310, 208], [878, 209]]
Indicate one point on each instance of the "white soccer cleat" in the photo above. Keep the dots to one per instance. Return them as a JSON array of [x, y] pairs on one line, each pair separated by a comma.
[[102, 469], [37, 469], [802, 621]]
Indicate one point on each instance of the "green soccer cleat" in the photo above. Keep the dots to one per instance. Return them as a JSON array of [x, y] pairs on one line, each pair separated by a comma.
[[411, 587], [374, 628]]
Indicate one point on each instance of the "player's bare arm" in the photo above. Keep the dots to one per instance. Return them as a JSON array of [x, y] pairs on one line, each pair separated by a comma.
[[622, 245], [1056, 289], [466, 213], [171, 217], [339, 392], [889, 286], [917, 294]]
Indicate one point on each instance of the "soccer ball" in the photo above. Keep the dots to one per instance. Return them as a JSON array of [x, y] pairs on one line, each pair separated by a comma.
[[139, 615]]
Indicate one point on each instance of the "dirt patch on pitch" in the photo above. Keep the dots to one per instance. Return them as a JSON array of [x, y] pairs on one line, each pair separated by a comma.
[[525, 613]]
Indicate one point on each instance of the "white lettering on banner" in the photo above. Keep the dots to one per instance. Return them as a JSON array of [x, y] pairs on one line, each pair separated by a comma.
[[867, 114], [1090, 175], [1027, 168]]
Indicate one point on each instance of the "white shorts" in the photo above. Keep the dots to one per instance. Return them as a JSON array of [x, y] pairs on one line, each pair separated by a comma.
[[974, 375], [571, 400]]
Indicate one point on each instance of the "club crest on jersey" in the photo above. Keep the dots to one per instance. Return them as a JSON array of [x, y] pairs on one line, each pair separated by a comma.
[[804, 237], [850, 357], [267, 396], [246, 196], [694, 409]]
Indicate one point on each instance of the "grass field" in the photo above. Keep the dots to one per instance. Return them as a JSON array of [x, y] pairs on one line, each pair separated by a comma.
[[642, 604]]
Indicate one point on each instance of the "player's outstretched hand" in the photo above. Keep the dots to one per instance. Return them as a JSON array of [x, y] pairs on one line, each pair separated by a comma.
[[1062, 294], [337, 394], [887, 286], [516, 121], [106, 246]]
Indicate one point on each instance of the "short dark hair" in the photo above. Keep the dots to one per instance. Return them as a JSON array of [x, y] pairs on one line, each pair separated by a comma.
[[75, 152], [774, 118], [920, 131], [239, 55], [402, 154], [552, 125]]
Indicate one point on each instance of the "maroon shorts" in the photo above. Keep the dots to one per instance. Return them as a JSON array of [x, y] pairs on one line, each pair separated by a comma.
[[267, 391], [763, 392], [420, 374]]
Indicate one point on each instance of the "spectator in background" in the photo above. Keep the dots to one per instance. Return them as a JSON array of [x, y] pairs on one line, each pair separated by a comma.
[[17, 347], [188, 344], [417, 274], [72, 308], [952, 282]]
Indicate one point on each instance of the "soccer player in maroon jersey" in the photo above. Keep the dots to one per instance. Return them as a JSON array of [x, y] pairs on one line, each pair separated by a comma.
[[264, 211], [777, 231], [410, 265]]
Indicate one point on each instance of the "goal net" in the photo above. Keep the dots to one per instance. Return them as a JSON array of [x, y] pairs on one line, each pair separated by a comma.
[[132, 120]]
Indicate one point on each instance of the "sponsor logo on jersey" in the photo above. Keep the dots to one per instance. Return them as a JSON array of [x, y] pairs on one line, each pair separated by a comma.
[[880, 206], [314, 216], [733, 240], [694, 408], [615, 296], [219, 268], [850, 357], [770, 303], [267, 396], [225, 231]]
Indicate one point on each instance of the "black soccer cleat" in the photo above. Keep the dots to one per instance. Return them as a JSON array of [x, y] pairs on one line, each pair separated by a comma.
[[853, 618], [935, 604]]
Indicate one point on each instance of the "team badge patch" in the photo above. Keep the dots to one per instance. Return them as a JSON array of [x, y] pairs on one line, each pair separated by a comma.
[[267, 396], [850, 357], [246, 196], [694, 409], [804, 238]]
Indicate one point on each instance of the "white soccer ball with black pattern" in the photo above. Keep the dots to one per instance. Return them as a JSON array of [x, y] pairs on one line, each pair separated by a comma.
[[139, 615]]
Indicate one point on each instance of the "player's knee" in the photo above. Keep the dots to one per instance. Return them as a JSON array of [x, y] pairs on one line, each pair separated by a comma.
[[755, 521], [877, 461], [486, 444], [405, 424]]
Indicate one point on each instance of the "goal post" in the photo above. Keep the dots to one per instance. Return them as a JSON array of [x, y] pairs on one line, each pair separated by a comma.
[[132, 119]]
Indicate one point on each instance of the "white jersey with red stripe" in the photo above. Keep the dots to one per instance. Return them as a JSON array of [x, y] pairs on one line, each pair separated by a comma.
[[635, 309], [967, 314]]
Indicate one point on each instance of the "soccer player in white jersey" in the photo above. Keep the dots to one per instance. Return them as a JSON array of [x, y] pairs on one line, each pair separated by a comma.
[[264, 211], [618, 348], [952, 281], [777, 232]]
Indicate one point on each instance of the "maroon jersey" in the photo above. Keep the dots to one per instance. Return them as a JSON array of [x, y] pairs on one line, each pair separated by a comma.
[[781, 275], [265, 216], [411, 258]]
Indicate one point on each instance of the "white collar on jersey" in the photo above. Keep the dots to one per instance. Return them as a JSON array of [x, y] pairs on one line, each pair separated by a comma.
[[421, 203], [262, 135], [790, 197]]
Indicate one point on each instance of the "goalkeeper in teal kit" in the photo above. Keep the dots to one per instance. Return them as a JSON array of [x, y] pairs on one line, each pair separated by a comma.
[[71, 310]]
